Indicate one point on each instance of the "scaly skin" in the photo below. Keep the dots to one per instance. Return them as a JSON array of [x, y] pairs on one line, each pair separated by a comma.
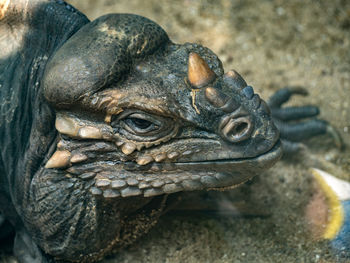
[[99, 125]]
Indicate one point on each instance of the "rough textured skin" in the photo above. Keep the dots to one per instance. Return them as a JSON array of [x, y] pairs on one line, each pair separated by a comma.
[[101, 120]]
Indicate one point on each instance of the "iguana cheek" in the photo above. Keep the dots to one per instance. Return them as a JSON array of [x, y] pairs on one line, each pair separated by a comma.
[[143, 160], [60, 159], [78, 158], [128, 148], [76, 128], [160, 157], [82, 129], [90, 132]]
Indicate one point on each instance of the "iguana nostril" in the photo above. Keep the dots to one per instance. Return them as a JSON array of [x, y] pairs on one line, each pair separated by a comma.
[[237, 130]]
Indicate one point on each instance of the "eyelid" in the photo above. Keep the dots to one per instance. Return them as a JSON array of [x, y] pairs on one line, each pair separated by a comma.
[[150, 128], [160, 125], [142, 117], [133, 114]]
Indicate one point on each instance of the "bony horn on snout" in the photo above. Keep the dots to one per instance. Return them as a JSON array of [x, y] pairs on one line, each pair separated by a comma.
[[216, 97], [199, 73], [234, 78]]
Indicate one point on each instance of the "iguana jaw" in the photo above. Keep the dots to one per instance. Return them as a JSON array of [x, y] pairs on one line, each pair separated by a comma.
[[213, 174], [224, 165], [110, 178]]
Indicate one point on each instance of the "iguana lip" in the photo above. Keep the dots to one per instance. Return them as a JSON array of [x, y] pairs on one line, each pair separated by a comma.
[[165, 178], [240, 169], [232, 172], [216, 174], [258, 163], [274, 153]]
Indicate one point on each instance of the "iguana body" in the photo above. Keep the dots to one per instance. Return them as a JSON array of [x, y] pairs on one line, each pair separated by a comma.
[[101, 120]]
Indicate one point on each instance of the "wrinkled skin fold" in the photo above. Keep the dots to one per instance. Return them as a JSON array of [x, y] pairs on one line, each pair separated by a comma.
[[101, 120]]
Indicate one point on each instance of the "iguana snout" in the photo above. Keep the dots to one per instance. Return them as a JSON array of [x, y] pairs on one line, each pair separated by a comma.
[[235, 127]]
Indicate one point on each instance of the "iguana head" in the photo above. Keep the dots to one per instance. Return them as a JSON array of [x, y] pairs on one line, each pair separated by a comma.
[[139, 115]]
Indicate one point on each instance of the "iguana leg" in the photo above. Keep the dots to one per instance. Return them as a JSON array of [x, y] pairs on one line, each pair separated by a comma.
[[289, 120]]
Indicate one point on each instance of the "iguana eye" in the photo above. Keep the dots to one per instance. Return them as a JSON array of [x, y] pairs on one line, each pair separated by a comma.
[[139, 123], [142, 126]]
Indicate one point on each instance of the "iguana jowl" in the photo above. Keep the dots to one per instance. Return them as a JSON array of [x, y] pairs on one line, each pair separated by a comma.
[[101, 120]]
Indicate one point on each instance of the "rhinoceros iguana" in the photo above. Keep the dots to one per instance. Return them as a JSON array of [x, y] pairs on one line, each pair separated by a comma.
[[100, 121]]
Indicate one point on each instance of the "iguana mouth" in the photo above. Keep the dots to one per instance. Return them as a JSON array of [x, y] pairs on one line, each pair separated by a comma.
[[165, 178], [270, 154]]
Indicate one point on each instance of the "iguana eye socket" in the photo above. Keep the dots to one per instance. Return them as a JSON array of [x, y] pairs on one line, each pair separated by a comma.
[[140, 123], [141, 126]]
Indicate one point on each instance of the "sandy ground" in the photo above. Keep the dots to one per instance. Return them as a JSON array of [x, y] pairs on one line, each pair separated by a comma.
[[272, 44]]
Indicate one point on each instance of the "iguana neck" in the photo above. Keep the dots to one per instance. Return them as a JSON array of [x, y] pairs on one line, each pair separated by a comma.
[[37, 29]]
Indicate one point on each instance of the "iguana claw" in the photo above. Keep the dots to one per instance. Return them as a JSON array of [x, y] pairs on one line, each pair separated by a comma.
[[289, 120]]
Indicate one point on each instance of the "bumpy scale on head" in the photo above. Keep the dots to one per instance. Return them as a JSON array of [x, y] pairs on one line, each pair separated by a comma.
[[153, 135]]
